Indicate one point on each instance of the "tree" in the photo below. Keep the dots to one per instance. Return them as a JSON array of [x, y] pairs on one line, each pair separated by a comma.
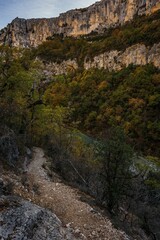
[[115, 156]]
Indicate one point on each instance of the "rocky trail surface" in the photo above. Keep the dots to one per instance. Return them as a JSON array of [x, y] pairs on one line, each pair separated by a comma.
[[20, 220], [78, 217]]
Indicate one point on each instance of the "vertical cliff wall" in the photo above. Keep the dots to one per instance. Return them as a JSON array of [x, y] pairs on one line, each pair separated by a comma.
[[115, 60], [99, 16], [27, 33]]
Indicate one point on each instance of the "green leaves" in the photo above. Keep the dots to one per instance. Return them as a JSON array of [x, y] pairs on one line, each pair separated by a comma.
[[144, 29], [116, 158], [99, 99]]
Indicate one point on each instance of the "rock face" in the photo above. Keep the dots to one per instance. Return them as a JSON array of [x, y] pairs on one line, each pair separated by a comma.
[[137, 54], [27, 33], [8, 146], [21, 219], [102, 14], [113, 60], [64, 67]]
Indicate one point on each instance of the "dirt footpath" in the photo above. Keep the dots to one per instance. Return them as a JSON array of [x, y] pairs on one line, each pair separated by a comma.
[[77, 216]]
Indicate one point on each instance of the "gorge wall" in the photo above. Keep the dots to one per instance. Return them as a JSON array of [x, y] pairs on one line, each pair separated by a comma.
[[138, 54], [97, 17]]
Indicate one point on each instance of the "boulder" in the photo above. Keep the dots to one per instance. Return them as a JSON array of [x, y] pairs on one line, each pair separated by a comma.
[[21, 219]]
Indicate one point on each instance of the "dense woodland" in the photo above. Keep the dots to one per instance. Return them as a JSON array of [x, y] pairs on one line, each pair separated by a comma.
[[101, 129]]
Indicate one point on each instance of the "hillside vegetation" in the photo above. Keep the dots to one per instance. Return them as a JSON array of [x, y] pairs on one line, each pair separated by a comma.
[[101, 129]]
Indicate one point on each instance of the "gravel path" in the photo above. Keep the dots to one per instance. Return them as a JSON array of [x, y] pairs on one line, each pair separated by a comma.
[[64, 201]]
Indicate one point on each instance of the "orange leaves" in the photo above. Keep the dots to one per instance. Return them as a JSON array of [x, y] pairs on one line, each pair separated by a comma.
[[156, 79], [136, 103], [103, 85]]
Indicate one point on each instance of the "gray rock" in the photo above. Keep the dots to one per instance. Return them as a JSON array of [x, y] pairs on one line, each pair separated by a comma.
[[28, 152], [97, 17], [137, 54], [21, 219], [8, 146]]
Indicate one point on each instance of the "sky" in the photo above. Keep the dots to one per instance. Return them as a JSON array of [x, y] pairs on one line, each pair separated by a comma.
[[10, 9]]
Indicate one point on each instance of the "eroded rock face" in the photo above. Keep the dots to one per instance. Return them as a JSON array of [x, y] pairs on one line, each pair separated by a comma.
[[64, 67], [27, 33], [113, 60], [21, 219], [137, 54], [102, 14]]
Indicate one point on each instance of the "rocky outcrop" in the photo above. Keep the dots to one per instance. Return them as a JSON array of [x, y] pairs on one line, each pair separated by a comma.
[[137, 54], [53, 68], [21, 219], [8, 146], [114, 60], [99, 16], [27, 33]]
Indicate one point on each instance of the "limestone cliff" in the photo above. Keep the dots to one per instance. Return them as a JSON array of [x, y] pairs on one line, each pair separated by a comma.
[[53, 68], [101, 15], [27, 33], [113, 60], [137, 54]]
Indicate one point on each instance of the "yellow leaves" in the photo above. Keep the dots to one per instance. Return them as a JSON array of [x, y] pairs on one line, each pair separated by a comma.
[[117, 33], [118, 119], [156, 79], [103, 85], [139, 71], [127, 127], [56, 94], [154, 99], [136, 103], [108, 111]]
